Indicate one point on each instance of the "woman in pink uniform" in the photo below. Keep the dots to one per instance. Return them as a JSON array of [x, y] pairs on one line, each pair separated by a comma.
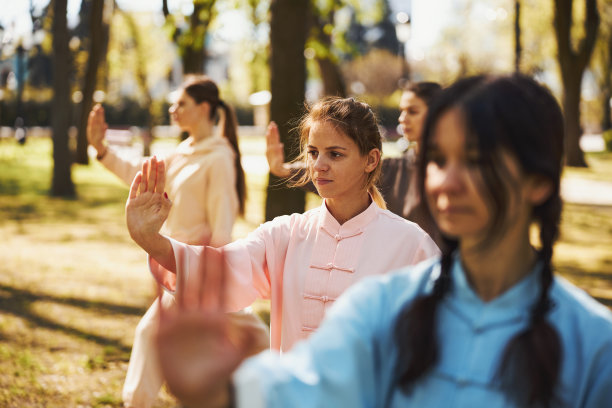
[[206, 183], [301, 262]]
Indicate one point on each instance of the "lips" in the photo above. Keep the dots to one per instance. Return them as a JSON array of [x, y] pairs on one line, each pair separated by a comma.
[[322, 181], [454, 210]]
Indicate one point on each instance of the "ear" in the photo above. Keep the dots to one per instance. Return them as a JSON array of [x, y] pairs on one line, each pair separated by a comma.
[[205, 109], [539, 188], [372, 160]]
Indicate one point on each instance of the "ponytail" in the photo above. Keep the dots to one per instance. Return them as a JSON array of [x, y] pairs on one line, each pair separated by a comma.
[[231, 134], [377, 197]]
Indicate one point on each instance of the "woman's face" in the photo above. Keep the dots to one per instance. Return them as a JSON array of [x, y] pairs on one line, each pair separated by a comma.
[[186, 113], [453, 183], [412, 116], [456, 192], [335, 164]]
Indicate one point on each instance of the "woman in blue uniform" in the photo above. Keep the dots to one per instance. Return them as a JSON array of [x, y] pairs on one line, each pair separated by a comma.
[[486, 324]]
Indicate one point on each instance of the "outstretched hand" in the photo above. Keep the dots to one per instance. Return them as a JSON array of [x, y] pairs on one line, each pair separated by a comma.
[[275, 152], [198, 348], [147, 206], [96, 129]]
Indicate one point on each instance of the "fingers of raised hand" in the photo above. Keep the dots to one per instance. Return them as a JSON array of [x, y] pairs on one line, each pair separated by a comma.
[[272, 135], [152, 176], [135, 185], [160, 177], [144, 185], [204, 288]]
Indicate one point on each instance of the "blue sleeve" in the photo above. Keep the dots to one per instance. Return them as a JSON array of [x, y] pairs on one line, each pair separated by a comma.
[[340, 365]]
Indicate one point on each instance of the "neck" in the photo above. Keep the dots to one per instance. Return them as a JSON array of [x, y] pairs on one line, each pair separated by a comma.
[[203, 130], [493, 270], [345, 208]]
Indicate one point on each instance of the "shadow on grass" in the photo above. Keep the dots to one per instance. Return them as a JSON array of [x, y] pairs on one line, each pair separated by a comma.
[[18, 303]]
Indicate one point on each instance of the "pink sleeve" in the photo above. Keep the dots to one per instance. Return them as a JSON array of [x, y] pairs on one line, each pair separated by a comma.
[[253, 264], [427, 249]]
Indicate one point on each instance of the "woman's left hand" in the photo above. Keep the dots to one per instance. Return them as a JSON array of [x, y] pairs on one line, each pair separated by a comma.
[[148, 206], [197, 345]]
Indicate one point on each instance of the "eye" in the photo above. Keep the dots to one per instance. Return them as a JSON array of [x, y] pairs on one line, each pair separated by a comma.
[[313, 154], [474, 160], [335, 154]]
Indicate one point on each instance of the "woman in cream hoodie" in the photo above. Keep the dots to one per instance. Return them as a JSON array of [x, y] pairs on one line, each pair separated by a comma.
[[206, 184]]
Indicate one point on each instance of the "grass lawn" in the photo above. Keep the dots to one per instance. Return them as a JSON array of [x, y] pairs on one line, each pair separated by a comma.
[[73, 285]]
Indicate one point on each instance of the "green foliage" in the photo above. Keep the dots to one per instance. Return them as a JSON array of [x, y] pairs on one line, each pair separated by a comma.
[[153, 57]]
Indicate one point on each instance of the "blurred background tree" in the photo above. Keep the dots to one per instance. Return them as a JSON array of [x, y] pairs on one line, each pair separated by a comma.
[[288, 32], [574, 57], [62, 185]]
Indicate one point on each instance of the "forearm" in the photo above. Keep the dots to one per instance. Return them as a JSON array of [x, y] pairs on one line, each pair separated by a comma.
[[159, 248]]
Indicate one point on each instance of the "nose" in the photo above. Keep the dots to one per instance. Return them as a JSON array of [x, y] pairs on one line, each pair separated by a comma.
[[172, 109], [402, 117], [321, 164], [447, 179]]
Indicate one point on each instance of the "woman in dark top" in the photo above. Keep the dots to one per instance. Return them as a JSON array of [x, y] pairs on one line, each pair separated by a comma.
[[398, 178], [399, 174]]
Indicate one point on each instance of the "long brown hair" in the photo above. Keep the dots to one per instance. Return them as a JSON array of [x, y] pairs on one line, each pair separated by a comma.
[[354, 119], [203, 89]]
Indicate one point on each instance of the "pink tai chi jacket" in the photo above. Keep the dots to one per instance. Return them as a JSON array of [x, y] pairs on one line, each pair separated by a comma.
[[303, 262]]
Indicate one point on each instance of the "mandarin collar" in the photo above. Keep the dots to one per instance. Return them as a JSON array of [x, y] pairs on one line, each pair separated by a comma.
[[351, 227], [514, 303], [203, 146]]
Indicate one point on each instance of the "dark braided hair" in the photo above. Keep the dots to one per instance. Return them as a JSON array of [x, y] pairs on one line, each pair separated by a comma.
[[507, 113], [203, 89]]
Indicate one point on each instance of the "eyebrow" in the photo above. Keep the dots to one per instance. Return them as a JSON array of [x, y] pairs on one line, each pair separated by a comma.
[[328, 148]]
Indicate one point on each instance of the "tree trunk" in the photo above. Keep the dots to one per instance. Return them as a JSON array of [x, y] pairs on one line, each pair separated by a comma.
[[518, 48], [606, 118], [572, 64], [288, 30], [97, 47], [62, 185], [194, 53], [333, 81]]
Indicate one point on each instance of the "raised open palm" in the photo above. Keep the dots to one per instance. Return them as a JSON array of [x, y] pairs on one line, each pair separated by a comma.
[[147, 206], [275, 153], [198, 347]]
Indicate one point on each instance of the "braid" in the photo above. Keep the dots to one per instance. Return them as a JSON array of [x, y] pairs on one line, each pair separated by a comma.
[[532, 360], [415, 328]]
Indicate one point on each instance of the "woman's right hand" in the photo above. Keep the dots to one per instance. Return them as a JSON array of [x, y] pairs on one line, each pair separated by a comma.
[[275, 152], [96, 129], [197, 345]]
